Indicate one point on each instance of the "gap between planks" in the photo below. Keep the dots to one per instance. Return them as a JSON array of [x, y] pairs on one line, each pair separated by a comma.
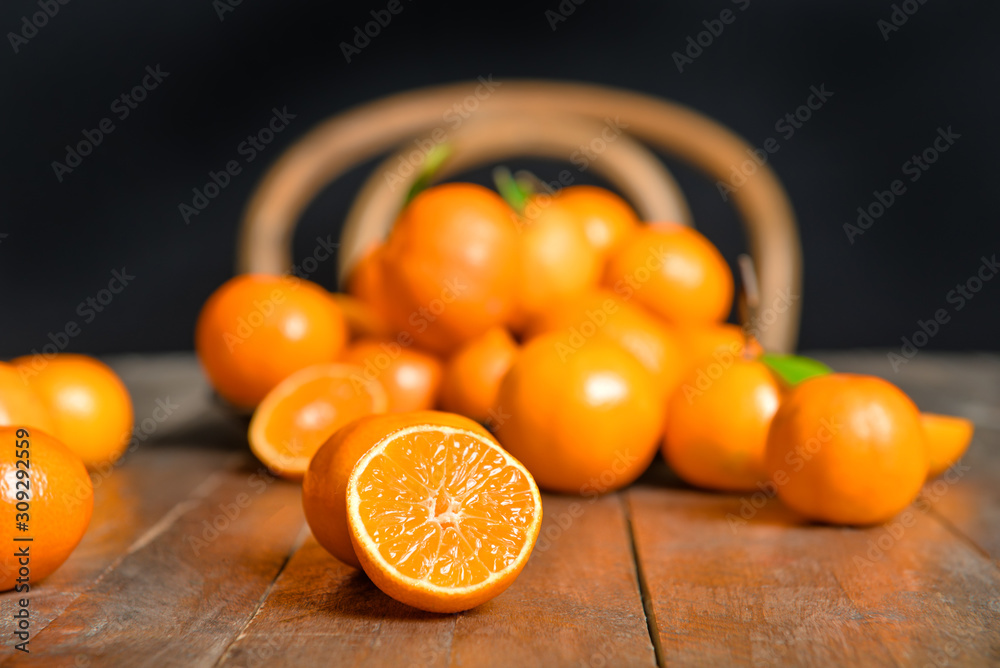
[[299, 542], [182, 507], [644, 593]]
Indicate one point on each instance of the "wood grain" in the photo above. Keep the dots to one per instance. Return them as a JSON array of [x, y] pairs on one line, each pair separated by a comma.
[[179, 596], [734, 584], [128, 502], [576, 603], [726, 582], [967, 497]]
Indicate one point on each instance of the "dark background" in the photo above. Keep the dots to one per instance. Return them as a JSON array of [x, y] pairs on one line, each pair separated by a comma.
[[119, 208]]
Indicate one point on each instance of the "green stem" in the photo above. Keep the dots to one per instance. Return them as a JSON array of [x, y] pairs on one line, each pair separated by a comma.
[[509, 189], [435, 158]]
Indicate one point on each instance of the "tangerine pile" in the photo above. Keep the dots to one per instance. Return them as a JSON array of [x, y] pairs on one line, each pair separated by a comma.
[[60, 414], [585, 341]]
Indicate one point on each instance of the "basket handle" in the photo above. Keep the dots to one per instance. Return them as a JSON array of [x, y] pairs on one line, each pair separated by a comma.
[[339, 143], [628, 165]]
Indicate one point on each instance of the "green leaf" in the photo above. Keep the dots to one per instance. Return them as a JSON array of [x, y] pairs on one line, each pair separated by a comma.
[[509, 189], [433, 161], [793, 369]]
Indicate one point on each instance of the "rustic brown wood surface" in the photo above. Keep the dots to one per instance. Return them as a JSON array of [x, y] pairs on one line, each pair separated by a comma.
[[196, 556]]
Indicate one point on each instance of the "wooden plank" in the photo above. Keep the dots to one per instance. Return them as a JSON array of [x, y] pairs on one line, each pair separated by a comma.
[[576, 603], [128, 502], [765, 588], [967, 497], [179, 597]]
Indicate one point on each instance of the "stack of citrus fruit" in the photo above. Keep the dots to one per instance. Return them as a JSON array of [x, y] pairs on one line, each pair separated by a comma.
[[60, 414], [585, 341]]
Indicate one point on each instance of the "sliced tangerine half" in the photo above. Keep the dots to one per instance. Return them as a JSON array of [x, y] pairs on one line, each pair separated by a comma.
[[948, 437], [302, 411], [441, 517]]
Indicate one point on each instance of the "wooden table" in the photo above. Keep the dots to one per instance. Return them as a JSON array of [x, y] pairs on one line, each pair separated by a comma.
[[197, 557]]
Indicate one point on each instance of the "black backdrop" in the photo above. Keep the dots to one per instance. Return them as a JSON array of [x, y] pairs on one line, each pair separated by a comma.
[[222, 72]]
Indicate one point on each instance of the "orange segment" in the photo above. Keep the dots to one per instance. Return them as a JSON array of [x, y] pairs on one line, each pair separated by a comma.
[[298, 415], [441, 517], [948, 437]]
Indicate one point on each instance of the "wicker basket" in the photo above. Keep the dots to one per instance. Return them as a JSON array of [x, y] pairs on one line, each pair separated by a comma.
[[485, 121]]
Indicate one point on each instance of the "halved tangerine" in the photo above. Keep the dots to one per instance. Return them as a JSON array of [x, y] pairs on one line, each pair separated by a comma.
[[442, 518], [298, 415], [948, 437]]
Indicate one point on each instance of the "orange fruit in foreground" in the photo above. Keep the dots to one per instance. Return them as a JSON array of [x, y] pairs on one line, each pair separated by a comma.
[[557, 259], [19, 403], [584, 421], [410, 377], [90, 407], [847, 449], [256, 330], [702, 344], [601, 312], [716, 434], [450, 265], [675, 272], [324, 487], [948, 437], [607, 219], [305, 409], [472, 376], [441, 517], [59, 509]]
